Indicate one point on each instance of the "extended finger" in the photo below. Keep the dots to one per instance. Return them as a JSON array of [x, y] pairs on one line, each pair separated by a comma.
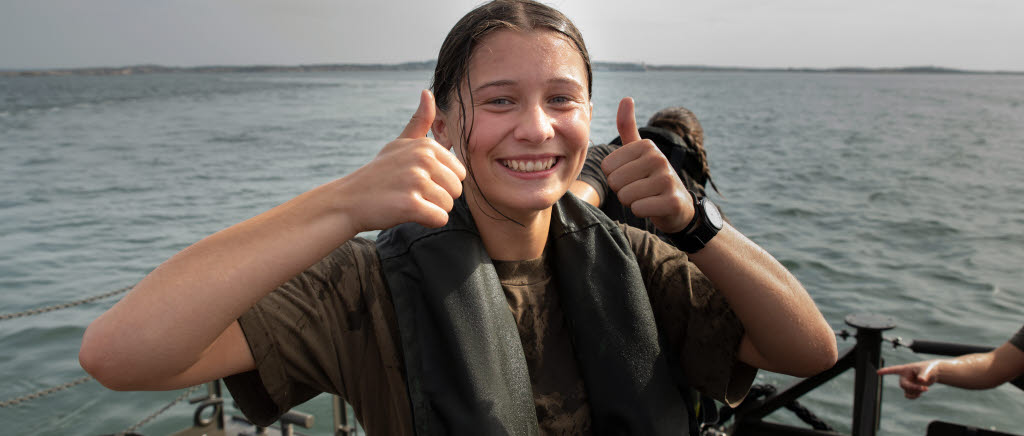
[[625, 121], [420, 122], [891, 370]]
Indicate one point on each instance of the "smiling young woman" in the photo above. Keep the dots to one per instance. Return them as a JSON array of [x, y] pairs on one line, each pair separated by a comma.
[[493, 302], [530, 114]]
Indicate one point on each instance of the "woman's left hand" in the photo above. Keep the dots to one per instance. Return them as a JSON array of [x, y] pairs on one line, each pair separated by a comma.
[[643, 179], [785, 332]]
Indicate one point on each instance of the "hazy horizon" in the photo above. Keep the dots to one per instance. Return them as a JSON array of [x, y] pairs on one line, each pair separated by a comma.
[[955, 34], [596, 62]]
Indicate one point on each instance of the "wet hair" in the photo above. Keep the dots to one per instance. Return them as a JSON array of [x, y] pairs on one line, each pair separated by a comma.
[[457, 51], [683, 122]]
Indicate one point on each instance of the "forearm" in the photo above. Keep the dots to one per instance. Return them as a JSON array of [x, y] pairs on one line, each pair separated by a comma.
[[982, 370], [176, 312], [178, 324], [969, 371], [781, 321]]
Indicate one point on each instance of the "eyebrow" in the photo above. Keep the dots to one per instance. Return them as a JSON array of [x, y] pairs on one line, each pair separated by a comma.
[[494, 84], [507, 82]]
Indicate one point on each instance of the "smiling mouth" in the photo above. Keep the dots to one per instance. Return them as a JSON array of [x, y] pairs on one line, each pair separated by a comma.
[[530, 166]]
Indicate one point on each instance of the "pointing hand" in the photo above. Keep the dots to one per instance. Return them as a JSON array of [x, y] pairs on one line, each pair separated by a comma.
[[914, 377]]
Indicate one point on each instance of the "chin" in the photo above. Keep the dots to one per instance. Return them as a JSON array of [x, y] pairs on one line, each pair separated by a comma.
[[538, 202], [525, 203]]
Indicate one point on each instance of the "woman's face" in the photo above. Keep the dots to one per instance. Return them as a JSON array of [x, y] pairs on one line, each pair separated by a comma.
[[530, 117]]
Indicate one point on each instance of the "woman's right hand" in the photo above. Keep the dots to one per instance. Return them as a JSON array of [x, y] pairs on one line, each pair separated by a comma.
[[412, 179], [179, 326]]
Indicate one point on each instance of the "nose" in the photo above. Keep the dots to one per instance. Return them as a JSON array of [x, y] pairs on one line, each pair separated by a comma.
[[534, 126]]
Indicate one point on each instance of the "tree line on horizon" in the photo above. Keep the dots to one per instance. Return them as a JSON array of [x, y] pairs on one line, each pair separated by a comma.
[[430, 64]]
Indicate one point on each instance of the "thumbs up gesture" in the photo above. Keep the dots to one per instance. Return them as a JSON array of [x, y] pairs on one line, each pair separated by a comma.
[[643, 179], [412, 179]]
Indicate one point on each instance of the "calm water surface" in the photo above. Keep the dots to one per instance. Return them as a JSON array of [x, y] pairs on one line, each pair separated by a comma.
[[891, 194]]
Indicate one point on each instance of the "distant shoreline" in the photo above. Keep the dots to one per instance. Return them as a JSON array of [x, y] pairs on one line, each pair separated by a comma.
[[429, 65]]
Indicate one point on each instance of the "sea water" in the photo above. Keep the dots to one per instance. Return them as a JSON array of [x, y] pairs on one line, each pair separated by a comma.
[[893, 194]]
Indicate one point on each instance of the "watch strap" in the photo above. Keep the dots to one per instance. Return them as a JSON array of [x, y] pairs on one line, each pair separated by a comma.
[[698, 232]]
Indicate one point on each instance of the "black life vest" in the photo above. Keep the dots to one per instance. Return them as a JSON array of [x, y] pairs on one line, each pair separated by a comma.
[[465, 368]]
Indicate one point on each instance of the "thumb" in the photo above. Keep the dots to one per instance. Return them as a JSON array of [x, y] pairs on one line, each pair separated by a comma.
[[420, 122], [928, 375], [625, 121]]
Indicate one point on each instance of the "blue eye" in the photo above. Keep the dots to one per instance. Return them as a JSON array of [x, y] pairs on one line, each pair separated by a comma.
[[500, 101]]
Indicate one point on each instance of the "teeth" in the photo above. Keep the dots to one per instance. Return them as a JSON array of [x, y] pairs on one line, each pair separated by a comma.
[[530, 166]]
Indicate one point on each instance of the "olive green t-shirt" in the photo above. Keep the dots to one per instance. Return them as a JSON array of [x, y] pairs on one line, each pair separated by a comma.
[[333, 329]]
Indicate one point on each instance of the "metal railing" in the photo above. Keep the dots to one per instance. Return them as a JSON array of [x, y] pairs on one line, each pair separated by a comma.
[[865, 358]]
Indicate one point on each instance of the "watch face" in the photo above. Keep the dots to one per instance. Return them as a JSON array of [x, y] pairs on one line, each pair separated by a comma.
[[714, 216]]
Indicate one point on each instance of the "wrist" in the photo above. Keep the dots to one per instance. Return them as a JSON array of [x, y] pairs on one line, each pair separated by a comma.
[[703, 226], [693, 222], [331, 208]]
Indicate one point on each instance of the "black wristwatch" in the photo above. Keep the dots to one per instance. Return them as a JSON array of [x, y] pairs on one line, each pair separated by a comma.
[[706, 223]]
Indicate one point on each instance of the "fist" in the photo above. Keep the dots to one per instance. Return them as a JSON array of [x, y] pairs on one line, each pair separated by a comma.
[[643, 179], [412, 179]]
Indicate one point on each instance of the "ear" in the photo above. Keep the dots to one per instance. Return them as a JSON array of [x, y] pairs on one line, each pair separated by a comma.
[[440, 129]]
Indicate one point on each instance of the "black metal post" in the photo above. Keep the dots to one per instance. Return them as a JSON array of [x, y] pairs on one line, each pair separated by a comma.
[[214, 389], [867, 395]]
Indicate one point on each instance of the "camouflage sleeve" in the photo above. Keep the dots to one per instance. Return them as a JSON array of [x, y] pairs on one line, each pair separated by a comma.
[[310, 336], [702, 332]]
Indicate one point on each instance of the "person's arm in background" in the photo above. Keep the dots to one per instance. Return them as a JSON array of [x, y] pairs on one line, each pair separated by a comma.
[[970, 371], [586, 192], [592, 186]]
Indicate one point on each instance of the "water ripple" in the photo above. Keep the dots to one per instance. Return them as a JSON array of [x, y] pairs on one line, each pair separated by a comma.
[[875, 194]]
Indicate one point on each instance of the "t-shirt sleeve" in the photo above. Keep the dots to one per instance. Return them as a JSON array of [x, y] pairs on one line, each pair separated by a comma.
[[592, 173], [304, 335], [702, 332], [1018, 339]]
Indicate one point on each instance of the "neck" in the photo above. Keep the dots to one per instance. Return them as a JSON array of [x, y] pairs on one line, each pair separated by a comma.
[[506, 240]]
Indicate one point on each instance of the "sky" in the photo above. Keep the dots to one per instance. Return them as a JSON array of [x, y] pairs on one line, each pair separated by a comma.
[[968, 34]]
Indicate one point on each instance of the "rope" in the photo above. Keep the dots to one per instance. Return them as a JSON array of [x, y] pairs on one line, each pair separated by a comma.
[[37, 311], [808, 417], [44, 392], [76, 382], [152, 416]]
